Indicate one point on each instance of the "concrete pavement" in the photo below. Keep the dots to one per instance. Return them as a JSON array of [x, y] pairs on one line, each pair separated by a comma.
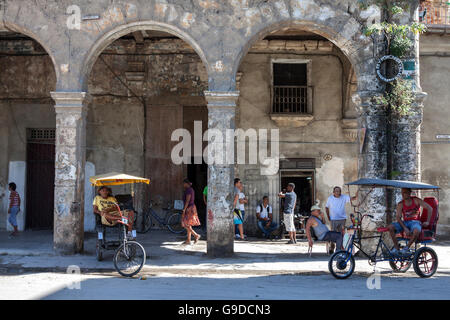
[[32, 252]]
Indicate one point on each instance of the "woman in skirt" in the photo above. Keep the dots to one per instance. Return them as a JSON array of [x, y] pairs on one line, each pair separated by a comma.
[[189, 218]]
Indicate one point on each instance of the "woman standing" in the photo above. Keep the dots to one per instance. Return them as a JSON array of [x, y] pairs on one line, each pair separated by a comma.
[[189, 217]]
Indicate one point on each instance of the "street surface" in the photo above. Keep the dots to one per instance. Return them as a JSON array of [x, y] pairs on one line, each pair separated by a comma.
[[229, 287]]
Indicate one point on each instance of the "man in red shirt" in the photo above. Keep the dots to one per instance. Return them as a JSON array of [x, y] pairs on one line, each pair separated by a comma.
[[408, 220]]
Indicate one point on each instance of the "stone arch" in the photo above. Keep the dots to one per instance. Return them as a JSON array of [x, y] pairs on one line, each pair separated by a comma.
[[20, 29], [351, 48], [106, 39]]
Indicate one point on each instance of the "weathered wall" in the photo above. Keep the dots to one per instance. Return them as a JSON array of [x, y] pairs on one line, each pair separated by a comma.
[[324, 135], [435, 77]]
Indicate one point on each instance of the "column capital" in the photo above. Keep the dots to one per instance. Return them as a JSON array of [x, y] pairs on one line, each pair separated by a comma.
[[69, 101], [222, 99]]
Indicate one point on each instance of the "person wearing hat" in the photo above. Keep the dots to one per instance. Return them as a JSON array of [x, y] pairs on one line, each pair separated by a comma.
[[290, 199], [317, 222]]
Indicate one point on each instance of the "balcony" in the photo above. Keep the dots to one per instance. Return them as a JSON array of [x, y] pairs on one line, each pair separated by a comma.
[[435, 14]]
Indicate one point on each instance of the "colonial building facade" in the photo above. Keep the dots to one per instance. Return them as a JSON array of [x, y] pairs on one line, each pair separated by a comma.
[[92, 87]]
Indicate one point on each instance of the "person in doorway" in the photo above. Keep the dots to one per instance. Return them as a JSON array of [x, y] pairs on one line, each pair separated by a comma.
[[105, 205], [14, 208], [189, 217], [238, 219], [290, 200], [317, 222], [205, 195], [243, 200], [408, 220], [335, 209], [264, 214]]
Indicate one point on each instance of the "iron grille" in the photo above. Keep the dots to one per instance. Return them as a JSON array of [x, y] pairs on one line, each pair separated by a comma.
[[290, 99], [41, 134]]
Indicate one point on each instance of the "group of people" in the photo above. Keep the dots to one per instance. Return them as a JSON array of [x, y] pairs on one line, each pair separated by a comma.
[[407, 214]]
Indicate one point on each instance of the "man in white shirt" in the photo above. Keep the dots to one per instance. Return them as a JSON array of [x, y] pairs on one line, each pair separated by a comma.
[[264, 216], [335, 209]]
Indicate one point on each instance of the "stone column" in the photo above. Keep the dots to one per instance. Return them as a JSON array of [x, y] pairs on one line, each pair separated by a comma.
[[69, 171], [221, 116], [373, 151]]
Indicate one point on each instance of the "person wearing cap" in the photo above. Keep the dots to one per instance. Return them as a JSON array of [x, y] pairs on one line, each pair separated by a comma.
[[189, 217], [317, 222], [290, 199]]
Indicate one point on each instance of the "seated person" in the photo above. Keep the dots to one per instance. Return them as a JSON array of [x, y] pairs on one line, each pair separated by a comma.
[[316, 221], [105, 206], [409, 210], [264, 216]]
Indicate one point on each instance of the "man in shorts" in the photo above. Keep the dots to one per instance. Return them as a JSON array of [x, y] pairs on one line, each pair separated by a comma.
[[290, 199], [408, 220]]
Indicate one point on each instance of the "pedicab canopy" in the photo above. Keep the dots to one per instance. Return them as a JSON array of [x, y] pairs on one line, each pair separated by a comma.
[[384, 183], [114, 179]]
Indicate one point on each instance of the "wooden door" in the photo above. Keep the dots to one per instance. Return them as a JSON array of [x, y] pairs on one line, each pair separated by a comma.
[[40, 185]]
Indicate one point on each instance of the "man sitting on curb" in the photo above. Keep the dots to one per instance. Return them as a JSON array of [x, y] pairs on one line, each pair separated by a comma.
[[320, 229], [264, 216]]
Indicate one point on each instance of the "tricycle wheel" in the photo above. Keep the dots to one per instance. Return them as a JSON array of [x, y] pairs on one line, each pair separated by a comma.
[[99, 251], [425, 262], [341, 264], [129, 258], [400, 265]]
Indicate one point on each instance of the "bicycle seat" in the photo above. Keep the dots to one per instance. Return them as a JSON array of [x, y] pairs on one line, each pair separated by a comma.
[[383, 229]]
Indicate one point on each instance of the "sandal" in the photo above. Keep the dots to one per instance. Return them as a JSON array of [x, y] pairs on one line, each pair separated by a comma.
[[198, 238]]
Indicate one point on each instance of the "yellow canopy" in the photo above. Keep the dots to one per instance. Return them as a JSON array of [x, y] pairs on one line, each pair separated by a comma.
[[114, 179]]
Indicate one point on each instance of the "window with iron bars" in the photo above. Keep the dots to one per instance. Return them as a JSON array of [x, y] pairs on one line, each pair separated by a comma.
[[290, 90]]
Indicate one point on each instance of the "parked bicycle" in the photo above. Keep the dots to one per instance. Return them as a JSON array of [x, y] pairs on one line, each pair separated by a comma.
[[171, 220]]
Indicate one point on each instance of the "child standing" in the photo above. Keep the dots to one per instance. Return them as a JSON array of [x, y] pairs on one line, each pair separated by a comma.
[[14, 207]]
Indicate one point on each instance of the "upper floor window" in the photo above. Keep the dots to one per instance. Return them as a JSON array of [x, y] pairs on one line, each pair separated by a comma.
[[291, 92]]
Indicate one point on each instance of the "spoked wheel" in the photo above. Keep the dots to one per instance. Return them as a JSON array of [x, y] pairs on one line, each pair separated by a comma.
[[147, 223], [341, 264], [99, 251], [400, 265], [425, 262], [129, 258], [174, 223]]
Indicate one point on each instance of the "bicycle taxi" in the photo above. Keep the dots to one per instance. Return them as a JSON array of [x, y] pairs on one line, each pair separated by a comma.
[[129, 256], [423, 258]]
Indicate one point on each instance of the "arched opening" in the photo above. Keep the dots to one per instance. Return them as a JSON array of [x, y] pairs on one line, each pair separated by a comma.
[[144, 85], [296, 80], [27, 130]]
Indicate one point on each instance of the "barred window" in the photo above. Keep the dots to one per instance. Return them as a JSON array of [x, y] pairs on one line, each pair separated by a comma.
[[291, 93]]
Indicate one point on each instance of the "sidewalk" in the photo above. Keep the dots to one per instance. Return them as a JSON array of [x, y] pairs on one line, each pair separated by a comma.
[[32, 252]]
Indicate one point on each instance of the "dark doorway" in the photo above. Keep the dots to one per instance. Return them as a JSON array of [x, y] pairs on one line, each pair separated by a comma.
[[304, 188], [40, 179], [198, 175]]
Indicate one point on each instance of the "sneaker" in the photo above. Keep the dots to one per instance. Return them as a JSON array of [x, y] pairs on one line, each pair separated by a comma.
[[290, 242], [295, 240], [237, 236]]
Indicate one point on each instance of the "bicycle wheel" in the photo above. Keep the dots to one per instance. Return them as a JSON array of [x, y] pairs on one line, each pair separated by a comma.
[[99, 251], [400, 265], [147, 222], [174, 223], [425, 262], [341, 264], [129, 258]]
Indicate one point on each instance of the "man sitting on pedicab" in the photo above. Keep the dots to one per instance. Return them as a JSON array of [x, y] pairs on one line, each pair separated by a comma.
[[317, 222], [408, 220], [105, 206]]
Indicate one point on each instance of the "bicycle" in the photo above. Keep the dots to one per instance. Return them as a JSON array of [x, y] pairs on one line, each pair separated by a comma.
[[171, 221]]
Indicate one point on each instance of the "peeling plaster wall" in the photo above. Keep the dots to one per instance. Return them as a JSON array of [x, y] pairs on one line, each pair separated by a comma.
[[323, 136]]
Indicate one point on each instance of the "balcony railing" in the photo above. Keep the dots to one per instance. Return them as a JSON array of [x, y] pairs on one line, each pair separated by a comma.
[[435, 14], [290, 99]]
